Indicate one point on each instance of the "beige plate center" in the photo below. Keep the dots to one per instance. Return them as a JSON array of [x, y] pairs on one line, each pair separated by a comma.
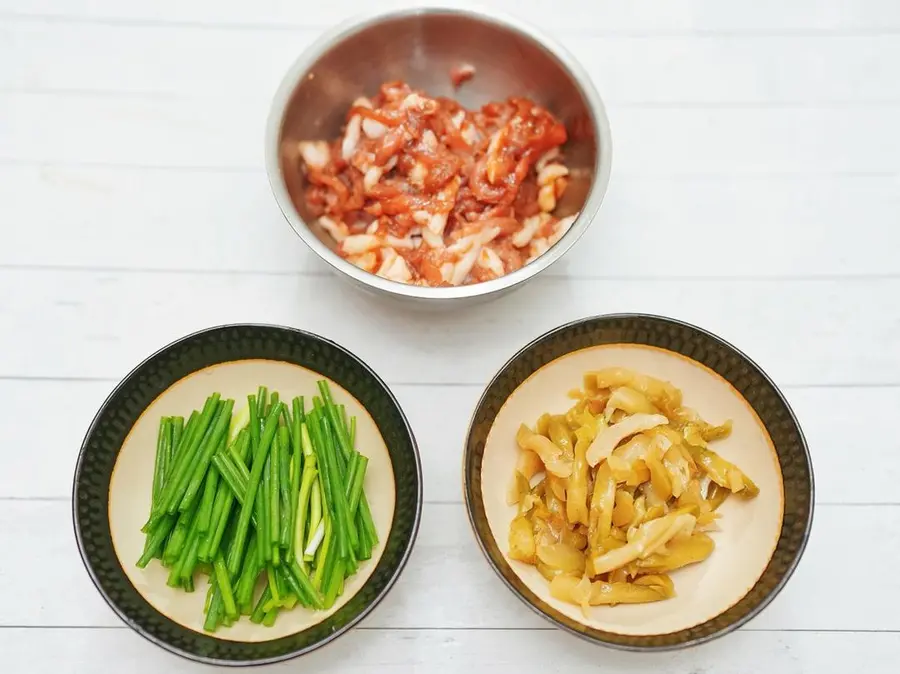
[[132, 480], [750, 529]]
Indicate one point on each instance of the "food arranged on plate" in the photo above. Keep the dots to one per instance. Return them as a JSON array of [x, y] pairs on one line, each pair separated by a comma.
[[282, 503], [619, 491], [268, 503], [420, 190], [263, 504]]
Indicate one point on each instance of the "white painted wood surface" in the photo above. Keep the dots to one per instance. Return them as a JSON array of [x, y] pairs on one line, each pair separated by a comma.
[[755, 191]]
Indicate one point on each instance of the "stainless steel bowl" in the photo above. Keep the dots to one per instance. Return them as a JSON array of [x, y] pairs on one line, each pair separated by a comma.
[[420, 46]]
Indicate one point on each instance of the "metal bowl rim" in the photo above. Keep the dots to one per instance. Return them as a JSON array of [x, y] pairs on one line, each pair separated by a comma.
[[347, 30]]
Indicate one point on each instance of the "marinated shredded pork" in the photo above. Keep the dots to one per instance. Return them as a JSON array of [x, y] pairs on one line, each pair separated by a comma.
[[420, 190], [461, 74]]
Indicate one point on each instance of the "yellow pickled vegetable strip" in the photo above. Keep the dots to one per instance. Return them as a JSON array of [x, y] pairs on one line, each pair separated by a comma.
[[572, 590], [558, 486], [518, 489], [724, 473], [603, 501], [629, 401], [661, 393], [618, 576], [543, 425], [620, 468], [624, 510], [716, 495], [640, 512], [649, 537], [563, 557], [680, 553], [678, 469], [625, 593], [521, 540], [577, 497], [687, 416], [693, 436], [555, 505], [639, 473], [554, 460], [661, 582], [659, 477], [529, 464], [608, 438], [559, 435], [548, 572], [634, 449]]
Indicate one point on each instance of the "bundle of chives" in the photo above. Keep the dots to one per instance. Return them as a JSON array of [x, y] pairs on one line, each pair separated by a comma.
[[273, 496]]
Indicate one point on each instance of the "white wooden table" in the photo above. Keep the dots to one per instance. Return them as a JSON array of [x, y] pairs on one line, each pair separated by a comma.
[[755, 192]]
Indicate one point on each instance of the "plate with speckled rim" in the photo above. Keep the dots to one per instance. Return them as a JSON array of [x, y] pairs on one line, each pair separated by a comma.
[[760, 540], [114, 474]]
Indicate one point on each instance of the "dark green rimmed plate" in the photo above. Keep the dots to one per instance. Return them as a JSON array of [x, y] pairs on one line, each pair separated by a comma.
[[111, 485], [761, 540]]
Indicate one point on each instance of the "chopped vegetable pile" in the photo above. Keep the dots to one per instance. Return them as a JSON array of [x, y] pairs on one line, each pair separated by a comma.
[[271, 497], [626, 487]]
